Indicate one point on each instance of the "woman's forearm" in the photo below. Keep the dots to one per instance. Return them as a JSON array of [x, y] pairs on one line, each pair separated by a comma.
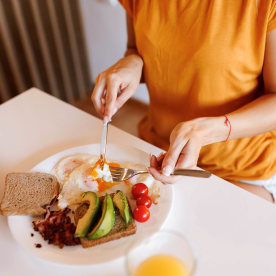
[[257, 117], [132, 51], [131, 41], [188, 137]]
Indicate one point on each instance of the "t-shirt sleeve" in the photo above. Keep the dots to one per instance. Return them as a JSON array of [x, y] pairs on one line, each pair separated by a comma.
[[272, 17], [128, 6]]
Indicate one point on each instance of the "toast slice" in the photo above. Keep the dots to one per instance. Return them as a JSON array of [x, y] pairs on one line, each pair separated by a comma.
[[28, 193], [119, 230]]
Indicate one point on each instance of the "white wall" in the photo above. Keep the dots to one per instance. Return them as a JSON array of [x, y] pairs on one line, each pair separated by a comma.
[[105, 31]]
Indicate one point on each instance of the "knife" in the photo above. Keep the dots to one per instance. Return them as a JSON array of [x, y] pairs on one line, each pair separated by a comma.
[[103, 144]]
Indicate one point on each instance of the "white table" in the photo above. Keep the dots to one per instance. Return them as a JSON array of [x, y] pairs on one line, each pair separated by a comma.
[[232, 231]]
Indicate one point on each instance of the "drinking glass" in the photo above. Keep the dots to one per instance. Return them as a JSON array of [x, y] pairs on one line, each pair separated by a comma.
[[165, 253]]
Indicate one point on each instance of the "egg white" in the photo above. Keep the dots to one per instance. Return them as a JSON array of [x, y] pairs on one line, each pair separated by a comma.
[[66, 165], [78, 182]]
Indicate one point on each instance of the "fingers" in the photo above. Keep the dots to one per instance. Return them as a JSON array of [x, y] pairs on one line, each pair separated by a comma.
[[97, 94], [172, 155], [156, 162], [112, 89], [185, 144], [154, 169], [189, 155], [124, 75], [153, 161], [160, 158], [105, 102], [127, 92], [161, 177]]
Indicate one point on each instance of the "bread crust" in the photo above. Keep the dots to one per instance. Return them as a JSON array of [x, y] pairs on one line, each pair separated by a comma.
[[130, 230], [23, 212]]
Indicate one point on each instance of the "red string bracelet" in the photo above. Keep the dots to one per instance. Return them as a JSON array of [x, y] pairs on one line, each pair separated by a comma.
[[228, 124]]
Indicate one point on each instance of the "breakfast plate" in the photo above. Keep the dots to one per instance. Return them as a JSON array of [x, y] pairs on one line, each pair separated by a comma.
[[22, 230]]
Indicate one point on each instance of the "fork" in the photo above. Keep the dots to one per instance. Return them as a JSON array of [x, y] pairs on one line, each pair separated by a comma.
[[122, 174]]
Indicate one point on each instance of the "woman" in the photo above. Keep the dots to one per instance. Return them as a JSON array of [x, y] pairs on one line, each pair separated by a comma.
[[210, 69]]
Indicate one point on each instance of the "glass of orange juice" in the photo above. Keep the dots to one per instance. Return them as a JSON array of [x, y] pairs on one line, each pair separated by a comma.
[[166, 253]]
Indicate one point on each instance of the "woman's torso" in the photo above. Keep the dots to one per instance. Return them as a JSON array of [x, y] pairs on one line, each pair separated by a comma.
[[205, 58]]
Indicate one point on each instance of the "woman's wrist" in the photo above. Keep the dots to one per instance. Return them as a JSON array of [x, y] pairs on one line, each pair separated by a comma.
[[133, 52], [213, 129], [137, 59]]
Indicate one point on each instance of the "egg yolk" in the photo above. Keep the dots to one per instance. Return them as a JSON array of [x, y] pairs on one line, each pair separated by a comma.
[[105, 185], [102, 184], [113, 165], [92, 170]]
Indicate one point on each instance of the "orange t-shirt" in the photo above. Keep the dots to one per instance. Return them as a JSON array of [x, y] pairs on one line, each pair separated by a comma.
[[205, 58]]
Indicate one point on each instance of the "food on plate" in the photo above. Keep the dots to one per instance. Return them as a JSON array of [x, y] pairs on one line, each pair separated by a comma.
[[66, 165], [141, 213], [57, 228], [106, 221], [139, 189], [28, 193], [84, 223], [144, 200], [120, 201], [140, 192], [80, 173], [154, 186], [102, 209], [120, 228]]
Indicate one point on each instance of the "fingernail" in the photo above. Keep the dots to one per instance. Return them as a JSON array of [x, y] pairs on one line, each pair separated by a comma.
[[167, 170], [105, 120]]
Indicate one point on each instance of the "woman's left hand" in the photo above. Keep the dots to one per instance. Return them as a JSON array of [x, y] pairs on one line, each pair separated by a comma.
[[186, 140]]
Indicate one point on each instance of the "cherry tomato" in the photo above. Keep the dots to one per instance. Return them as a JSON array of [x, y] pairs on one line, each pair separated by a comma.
[[139, 189], [141, 213], [144, 200]]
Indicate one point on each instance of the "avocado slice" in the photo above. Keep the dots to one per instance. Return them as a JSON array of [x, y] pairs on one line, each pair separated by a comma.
[[84, 223], [106, 222], [120, 201]]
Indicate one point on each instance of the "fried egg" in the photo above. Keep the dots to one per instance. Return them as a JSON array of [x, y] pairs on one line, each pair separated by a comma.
[[66, 165], [80, 173]]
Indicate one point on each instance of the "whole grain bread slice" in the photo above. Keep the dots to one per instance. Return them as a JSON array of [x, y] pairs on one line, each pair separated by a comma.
[[119, 230], [28, 193]]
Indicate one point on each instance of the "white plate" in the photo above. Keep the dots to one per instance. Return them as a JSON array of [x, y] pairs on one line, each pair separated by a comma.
[[21, 226]]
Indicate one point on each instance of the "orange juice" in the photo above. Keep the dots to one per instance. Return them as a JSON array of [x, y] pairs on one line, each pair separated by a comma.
[[161, 265]]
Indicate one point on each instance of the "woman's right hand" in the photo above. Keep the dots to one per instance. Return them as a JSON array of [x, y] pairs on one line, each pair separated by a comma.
[[123, 76]]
